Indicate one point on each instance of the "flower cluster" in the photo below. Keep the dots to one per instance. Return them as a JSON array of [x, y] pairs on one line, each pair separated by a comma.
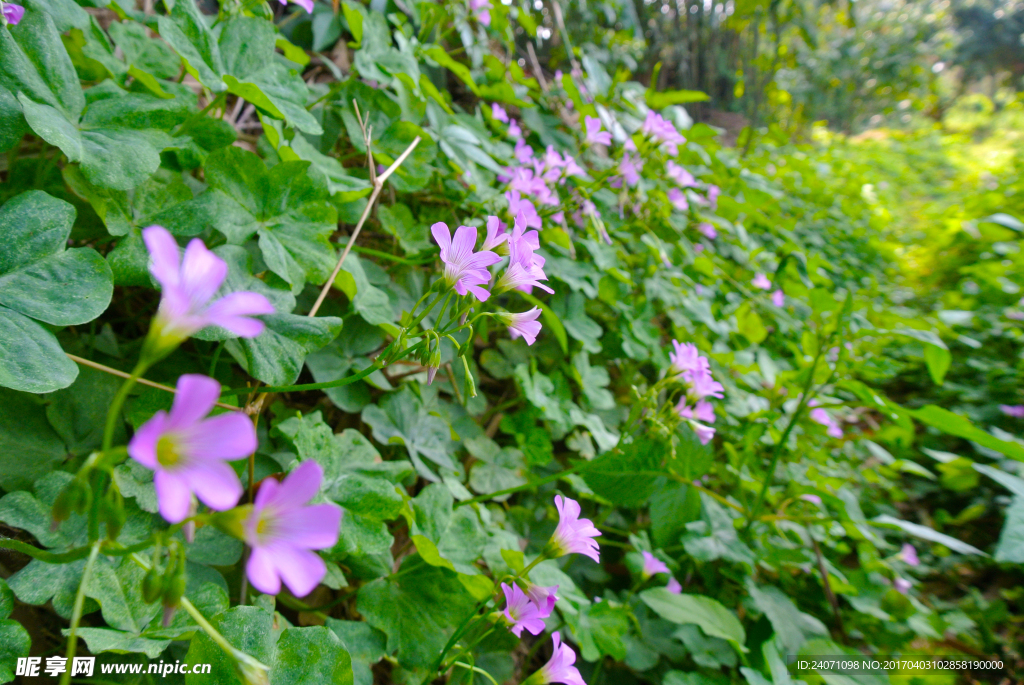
[[694, 371], [527, 610], [573, 535]]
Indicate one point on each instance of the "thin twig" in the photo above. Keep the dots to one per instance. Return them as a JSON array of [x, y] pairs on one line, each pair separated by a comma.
[[536, 66], [828, 588], [378, 184], [140, 381]]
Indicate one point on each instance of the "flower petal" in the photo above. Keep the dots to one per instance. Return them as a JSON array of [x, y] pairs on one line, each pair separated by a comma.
[[298, 487], [142, 446], [233, 311], [223, 437], [164, 254], [443, 236], [216, 484], [196, 396], [262, 571], [202, 272], [313, 527], [173, 495], [300, 569]]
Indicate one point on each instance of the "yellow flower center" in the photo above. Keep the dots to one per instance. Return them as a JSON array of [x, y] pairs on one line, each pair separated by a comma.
[[167, 452]]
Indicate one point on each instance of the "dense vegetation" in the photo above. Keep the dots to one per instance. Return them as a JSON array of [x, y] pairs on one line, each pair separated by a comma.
[[407, 343]]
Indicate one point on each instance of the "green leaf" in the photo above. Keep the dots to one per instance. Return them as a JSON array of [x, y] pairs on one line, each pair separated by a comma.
[[354, 475], [348, 354], [247, 628], [614, 475], [120, 642], [311, 656], [286, 207], [14, 639], [418, 609], [1011, 540], [749, 324], [722, 541], [953, 424], [398, 220], [342, 186], [713, 618], [600, 629], [550, 319], [277, 355], [792, 626], [371, 302], [41, 279], [366, 646], [443, 536], [37, 66], [401, 419], [662, 99], [79, 411], [927, 533]]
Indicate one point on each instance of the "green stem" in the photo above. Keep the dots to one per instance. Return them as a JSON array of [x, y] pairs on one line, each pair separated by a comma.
[[115, 407], [476, 669], [308, 386], [76, 613], [391, 257], [459, 632], [42, 555]]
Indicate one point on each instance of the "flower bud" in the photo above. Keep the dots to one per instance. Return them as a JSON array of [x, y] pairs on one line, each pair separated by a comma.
[[152, 586], [232, 521], [112, 513]]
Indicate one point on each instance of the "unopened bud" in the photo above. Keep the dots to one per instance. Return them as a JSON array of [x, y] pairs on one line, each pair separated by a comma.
[[112, 513], [232, 521], [152, 586]]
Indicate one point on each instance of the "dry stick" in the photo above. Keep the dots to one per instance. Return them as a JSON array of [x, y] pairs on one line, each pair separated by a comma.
[[140, 381], [536, 65]]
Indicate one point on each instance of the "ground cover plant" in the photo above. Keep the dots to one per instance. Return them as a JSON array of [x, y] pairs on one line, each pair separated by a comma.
[[354, 344]]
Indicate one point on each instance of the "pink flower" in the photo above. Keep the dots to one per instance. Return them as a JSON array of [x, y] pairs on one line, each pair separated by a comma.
[[909, 555], [685, 357], [572, 535], [304, 4], [464, 269], [678, 199], [1016, 411], [523, 152], [543, 597], [653, 566], [822, 417], [496, 234], [499, 113], [708, 231], [761, 281], [189, 283], [702, 384], [713, 193], [902, 585], [558, 76], [558, 669], [673, 586], [187, 451], [481, 10], [520, 612], [680, 175], [518, 205], [778, 299], [704, 433], [702, 411], [525, 269], [813, 499], [523, 324], [630, 170], [513, 129], [558, 218], [12, 13], [571, 168], [595, 136], [662, 130], [283, 531]]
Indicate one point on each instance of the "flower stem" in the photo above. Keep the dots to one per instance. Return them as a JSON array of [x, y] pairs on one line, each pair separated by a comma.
[[76, 613], [476, 669], [115, 407]]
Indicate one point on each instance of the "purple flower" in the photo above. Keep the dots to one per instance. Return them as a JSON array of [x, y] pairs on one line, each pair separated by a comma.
[[525, 269], [513, 129], [702, 411], [571, 168], [680, 175], [520, 612], [678, 199], [464, 269], [702, 384], [713, 193], [673, 586], [630, 170], [558, 76], [189, 283], [909, 555], [187, 451], [704, 432], [481, 10], [902, 585], [283, 532], [707, 230], [761, 281], [523, 152], [558, 218], [523, 324], [304, 4], [813, 499], [12, 13], [822, 417], [653, 566], [498, 112], [543, 597], [662, 130], [496, 234], [685, 357], [559, 668], [778, 299], [1016, 411], [595, 136], [518, 205], [573, 535]]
